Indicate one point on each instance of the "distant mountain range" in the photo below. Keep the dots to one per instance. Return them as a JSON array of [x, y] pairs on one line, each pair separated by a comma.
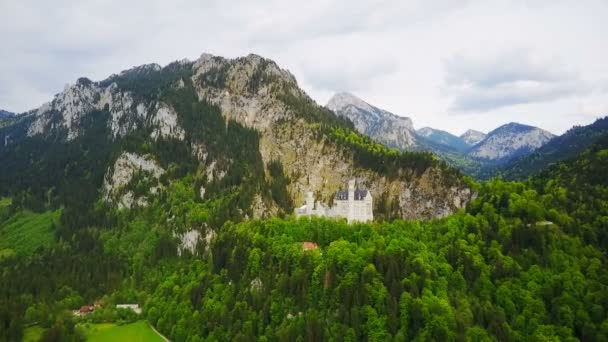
[[510, 141], [473, 152], [444, 138], [4, 114], [569, 145], [472, 137], [383, 126]]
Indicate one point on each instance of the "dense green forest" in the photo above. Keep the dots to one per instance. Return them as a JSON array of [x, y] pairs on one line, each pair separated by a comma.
[[525, 261]]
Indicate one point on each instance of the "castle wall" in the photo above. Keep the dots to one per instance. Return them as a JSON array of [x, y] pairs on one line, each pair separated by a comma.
[[350, 209]]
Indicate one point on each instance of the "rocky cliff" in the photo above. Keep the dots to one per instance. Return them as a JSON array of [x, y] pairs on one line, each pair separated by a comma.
[[227, 121]]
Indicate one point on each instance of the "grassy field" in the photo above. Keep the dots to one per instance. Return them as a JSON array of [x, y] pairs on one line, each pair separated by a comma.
[[32, 334], [25, 231], [135, 332]]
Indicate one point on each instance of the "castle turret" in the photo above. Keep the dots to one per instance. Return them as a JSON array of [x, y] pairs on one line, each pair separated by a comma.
[[310, 203], [351, 201]]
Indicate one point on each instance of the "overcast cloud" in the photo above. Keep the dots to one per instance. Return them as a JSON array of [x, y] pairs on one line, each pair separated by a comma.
[[448, 64]]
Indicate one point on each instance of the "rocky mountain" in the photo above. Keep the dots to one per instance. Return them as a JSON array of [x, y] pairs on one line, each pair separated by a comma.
[[240, 130], [4, 114], [383, 126], [509, 141], [474, 152], [444, 138], [569, 145], [472, 137]]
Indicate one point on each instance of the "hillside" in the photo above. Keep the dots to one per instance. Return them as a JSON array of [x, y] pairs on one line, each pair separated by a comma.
[[570, 144], [173, 187], [223, 122], [474, 153], [383, 126], [444, 138], [509, 141], [472, 137], [4, 114]]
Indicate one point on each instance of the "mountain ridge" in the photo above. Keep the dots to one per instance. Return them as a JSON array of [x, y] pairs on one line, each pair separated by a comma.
[[508, 141], [478, 156], [199, 109]]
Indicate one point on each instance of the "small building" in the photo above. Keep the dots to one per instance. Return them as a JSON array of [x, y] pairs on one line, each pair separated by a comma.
[[134, 307], [355, 205], [85, 309], [307, 246]]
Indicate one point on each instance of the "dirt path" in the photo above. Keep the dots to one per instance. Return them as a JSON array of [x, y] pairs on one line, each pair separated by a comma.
[[159, 334]]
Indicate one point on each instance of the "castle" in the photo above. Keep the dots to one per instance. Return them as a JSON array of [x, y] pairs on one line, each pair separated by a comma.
[[354, 205]]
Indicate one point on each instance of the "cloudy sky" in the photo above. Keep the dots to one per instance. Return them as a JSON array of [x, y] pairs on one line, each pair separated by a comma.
[[448, 64]]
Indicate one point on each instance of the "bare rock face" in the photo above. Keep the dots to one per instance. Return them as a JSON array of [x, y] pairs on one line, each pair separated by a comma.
[[126, 167], [509, 141], [188, 241], [381, 125], [127, 113], [311, 163], [473, 137], [69, 107], [251, 91], [165, 123], [243, 88]]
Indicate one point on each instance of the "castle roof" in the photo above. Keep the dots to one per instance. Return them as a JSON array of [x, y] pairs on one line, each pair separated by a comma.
[[359, 195]]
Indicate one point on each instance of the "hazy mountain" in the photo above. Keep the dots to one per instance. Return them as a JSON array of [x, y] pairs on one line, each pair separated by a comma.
[[381, 125], [509, 141], [4, 114], [444, 138], [569, 145], [474, 152], [472, 137]]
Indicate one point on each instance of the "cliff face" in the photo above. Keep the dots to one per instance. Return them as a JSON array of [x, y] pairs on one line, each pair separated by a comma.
[[383, 126], [280, 124], [312, 163]]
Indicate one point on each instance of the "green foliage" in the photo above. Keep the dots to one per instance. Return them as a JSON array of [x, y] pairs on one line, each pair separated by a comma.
[[525, 261], [139, 331], [391, 162], [278, 186], [33, 333], [569, 145], [25, 232]]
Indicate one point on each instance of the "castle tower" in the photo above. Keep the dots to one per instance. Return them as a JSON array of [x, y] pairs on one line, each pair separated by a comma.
[[351, 201], [310, 203]]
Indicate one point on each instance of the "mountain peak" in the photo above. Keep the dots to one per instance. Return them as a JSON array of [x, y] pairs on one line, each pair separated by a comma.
[[381, 125], [510, 140], [4, 114], [342, 100], [473, 137]]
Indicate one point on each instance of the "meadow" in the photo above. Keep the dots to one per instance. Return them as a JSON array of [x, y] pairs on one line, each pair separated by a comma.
[[134, 332]]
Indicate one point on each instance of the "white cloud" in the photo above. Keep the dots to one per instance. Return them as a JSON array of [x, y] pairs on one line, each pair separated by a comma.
[[508, 79], [539, 62]]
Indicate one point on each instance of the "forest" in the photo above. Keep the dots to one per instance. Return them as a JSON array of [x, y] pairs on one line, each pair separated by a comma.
[[525, 261]]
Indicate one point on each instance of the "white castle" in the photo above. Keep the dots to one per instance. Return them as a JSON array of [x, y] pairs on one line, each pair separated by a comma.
[[354, 205]]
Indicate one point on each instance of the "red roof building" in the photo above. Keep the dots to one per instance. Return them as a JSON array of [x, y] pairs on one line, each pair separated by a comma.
[[85, 309], [309, 245]]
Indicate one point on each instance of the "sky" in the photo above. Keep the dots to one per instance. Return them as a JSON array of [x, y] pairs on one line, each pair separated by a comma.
[[450, 64]]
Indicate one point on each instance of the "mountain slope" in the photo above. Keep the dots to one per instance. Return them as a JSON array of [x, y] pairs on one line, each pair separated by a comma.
[[472, 137], [444, 138], [568, 145], [223, 122], [382, 126], [509, 141], [4, 114]]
